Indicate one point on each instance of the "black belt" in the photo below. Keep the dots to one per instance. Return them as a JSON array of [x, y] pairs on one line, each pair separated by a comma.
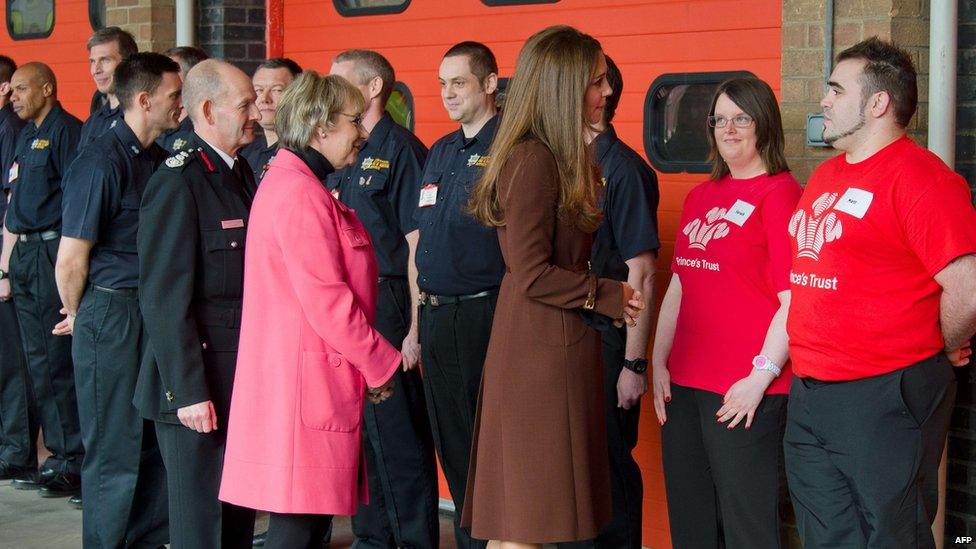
[[38, 237], [127, 292], [438, 300]]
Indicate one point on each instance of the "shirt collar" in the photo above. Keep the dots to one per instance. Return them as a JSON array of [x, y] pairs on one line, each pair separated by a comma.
[[380, 131], [312, 158], [603, 142], [228, 159], [55, 113], [485, 134], [128, 138]]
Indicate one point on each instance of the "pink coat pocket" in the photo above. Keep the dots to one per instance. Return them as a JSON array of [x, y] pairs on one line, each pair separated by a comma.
[[332, 393]]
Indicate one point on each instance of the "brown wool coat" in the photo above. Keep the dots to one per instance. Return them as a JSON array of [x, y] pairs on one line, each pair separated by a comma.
[[539, 470]]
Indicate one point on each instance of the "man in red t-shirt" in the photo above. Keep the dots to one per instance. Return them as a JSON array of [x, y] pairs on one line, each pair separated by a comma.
[[883, 288]]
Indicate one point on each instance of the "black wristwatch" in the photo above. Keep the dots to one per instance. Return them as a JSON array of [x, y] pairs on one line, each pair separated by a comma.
[[638, 365]]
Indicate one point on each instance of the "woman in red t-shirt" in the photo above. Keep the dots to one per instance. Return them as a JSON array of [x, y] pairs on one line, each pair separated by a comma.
[[720, 370]]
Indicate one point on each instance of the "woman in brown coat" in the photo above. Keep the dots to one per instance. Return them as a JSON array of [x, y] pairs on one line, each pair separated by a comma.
[[539, 469]]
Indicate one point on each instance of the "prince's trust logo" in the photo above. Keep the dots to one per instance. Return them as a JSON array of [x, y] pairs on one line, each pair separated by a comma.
[[700, 233], [816, 229]]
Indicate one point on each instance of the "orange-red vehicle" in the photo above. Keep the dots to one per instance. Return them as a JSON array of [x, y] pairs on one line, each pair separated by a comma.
[[671, 54]]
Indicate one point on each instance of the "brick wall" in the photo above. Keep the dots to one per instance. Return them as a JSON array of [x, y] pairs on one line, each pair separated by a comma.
[[233, 30], [903, 21], [152, 22], [961, 476]]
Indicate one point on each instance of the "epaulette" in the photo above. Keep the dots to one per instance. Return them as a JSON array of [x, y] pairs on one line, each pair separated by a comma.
[[180, 159]]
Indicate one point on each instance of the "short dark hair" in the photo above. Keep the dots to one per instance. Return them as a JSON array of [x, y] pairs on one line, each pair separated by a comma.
[[281, 63], [756, 99], [127, 44], [7, 68], [889, 69], [141, 72], [186, 56], [480, 58], [370, 64], [616, 82]]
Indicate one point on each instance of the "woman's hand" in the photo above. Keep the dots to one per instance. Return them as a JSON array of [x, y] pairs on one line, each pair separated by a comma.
[[661, 379], [377, 395], [743, 397], [633, 304], [960, 357]]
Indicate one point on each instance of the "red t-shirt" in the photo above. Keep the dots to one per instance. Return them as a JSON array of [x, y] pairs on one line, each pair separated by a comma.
[[867, 239], [732, 256]]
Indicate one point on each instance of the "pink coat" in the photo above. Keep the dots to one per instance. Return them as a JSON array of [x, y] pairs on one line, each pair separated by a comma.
[[307, 352]]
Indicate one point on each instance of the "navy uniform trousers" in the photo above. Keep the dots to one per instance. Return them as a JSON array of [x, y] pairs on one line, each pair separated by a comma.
[[18, 424], [48, 356], [123, 477], [402, 472]]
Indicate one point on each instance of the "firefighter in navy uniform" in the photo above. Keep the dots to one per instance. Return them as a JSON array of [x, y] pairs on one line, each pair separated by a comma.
[[270, 80], [624, 248], [98, 274], [191, 273], [18, 424], [106, 49], [45, 148], [459, 265], [176, 139], [383, 188]]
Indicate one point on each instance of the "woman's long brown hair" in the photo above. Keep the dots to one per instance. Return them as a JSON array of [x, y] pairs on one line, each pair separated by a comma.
[[545, 101]]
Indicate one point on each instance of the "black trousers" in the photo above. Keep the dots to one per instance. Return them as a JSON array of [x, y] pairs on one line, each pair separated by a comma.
[[722, 486], [123, 477], [293, 531], [400, 464], [197, 520], [454, 341], [862, 457], [48, 356], [18, 420]]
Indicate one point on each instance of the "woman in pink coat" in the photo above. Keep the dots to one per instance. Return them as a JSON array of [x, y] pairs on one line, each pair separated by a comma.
[[308, 352]]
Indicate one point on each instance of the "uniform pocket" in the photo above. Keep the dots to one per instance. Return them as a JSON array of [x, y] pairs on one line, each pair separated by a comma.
[[224, 268], [331, 393], [922, 387]]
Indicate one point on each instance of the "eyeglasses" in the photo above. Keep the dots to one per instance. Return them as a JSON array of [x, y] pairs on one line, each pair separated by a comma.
[[357, 119], [741, 121]]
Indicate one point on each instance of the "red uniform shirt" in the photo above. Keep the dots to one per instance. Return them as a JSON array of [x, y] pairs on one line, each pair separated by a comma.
[[867, 239], [732, 256]]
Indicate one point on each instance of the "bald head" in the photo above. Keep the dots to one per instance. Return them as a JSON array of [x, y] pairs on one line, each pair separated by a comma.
[[33, 91], [219, 99]]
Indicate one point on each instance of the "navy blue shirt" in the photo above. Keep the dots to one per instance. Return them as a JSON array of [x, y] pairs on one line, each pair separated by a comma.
[[10, 126], [102, 192], [457, 255], [258, 155], [383, 186], [101, 120], [175, 140], [42, 156], [629, 203]]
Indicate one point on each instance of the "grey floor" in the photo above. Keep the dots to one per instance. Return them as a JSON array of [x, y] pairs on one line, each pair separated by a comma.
[[28, 521]]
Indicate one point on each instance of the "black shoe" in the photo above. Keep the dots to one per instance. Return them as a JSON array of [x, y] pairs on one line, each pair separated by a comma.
[[46, 475], [26, 481], [259, 539], [63, 485], [10, 472], [75, 501]]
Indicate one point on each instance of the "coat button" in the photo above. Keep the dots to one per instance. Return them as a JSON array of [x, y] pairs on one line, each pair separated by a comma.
[[335, 361], [204, 345], [233, 244]]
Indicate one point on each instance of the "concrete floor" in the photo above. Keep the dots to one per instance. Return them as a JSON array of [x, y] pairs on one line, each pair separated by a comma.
[[28, 521]]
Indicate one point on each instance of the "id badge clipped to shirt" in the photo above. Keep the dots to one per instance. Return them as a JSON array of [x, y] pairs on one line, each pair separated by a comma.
[[14, 172], [428, 195]]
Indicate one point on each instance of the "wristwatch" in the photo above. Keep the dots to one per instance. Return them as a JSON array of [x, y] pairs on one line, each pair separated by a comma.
[[4, 274], [638, 365], [762, 362]]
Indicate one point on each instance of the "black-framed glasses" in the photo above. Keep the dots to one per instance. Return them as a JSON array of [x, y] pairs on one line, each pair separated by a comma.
[[741, 121], [357, 119]]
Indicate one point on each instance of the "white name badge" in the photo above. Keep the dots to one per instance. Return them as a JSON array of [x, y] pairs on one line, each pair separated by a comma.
[[739, 212], [14, 172], [428, 195], [855, 202]]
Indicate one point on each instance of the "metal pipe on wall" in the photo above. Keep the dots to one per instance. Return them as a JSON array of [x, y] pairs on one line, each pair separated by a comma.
[[828, 39], [943, 31], [185, 27]]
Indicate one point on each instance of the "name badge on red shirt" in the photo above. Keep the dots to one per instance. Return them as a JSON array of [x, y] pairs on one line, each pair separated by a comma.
[[428, 195], [855, 202], [739, 212], [232, 224]]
